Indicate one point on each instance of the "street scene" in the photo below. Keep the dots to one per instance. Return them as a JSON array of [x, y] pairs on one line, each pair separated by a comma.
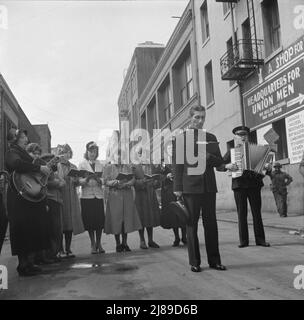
[[162, 274], [151, 151]]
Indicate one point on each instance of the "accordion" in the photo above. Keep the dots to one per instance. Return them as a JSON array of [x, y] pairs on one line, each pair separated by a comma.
[[250, 159]]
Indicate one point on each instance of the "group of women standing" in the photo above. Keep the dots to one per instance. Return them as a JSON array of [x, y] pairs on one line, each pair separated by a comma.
[[104, 201]]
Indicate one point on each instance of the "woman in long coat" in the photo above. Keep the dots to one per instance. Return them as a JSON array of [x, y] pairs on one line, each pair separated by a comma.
[[71, 212], [121, 214], [147, 204], [26, 233]]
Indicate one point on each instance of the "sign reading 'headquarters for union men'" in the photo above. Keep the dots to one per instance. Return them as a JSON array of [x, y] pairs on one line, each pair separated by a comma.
[[282, 92]]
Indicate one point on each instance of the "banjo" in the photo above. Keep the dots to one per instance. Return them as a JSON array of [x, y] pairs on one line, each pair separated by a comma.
[[33, 186]]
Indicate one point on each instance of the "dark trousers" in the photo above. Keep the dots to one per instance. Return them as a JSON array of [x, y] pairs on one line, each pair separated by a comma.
[[55, 227], [281, 202], [195, 203], [254, 197]]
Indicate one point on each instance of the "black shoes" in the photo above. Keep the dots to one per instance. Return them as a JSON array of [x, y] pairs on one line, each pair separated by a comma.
[[263, 244], [126, 248], [219, 267], [152, 244], [28, 271], [184, 241], [196, 269], [119, 248], [243, 245], [175, 243]]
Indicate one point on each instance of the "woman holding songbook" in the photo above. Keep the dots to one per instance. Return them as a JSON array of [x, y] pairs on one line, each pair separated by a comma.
[[71, 212], [92, 195], [121, 214], [146, 202]]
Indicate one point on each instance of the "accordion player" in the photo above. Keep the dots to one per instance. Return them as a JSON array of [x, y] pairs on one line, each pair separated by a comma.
[[250, 158]]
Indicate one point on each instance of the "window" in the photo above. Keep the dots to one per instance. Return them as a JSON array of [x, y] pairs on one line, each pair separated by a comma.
[[165, 105], [135, 115], [272, 27], [143, 121], [247, 46], [182, 83], [205, 21], [187, 89], [226, 7], [189, 78], [152, 116], [280, 128], [209, 83], [133, 83]]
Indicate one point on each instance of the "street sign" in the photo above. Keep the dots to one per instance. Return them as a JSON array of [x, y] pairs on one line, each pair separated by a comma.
[[295, 136], [280, 95]]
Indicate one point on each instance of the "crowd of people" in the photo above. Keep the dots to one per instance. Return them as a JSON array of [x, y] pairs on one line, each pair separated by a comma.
[[118, 199], [41, 228]]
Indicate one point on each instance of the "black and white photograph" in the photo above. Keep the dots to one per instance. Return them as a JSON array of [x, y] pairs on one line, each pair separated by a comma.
[[152, 153]]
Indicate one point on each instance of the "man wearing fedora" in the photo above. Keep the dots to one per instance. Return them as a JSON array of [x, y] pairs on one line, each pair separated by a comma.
[[246, 187], [279, 182], [199, 194]]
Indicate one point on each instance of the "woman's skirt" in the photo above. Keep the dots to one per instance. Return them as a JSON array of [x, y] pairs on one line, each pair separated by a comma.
[[92, 212], [27, 223]]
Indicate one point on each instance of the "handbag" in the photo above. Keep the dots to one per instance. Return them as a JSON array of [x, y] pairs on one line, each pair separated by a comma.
[[176, 215]]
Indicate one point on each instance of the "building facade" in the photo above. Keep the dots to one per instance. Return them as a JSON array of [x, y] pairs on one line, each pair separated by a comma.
[[243, 61], [44, 132], [251, 71], [143, 62], [12, 116]]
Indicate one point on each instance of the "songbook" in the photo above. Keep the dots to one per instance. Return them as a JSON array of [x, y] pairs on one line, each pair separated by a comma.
[[84, 174], [125, 176], [155, 176]]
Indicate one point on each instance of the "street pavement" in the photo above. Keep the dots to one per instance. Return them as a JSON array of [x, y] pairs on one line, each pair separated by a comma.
[[158, 274]]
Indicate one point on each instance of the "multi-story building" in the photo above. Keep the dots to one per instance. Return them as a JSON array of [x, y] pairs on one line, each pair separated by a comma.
[[44, 132], [251, 72], [12, 116], [145, 58], [242, 60]]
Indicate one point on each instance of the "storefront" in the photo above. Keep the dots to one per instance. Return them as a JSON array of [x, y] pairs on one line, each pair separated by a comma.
[[278, 103]]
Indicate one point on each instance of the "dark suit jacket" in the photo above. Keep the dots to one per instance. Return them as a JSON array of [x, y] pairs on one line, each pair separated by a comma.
[[198, 183], [243, 182]]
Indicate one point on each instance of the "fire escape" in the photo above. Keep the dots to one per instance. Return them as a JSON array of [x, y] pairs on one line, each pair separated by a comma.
[[245, 55]]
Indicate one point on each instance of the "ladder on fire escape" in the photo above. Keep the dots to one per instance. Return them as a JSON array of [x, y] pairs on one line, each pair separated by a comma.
[[253, 32]]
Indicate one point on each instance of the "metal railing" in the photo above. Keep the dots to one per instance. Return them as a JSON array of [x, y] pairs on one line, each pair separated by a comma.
[[245, 54]]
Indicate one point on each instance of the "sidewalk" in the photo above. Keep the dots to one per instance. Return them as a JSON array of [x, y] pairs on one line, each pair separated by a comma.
[[270, 219]]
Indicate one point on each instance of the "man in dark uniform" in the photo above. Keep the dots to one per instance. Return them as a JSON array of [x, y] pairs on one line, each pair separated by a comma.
[[280, 180], [247, 187], [199, 193]]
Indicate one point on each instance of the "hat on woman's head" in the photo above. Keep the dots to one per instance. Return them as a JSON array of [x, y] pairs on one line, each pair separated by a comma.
[[63, 149], [91, 145]]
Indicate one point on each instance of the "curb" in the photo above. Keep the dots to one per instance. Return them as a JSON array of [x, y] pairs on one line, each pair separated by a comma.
[[265, 225]]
